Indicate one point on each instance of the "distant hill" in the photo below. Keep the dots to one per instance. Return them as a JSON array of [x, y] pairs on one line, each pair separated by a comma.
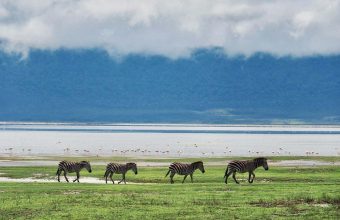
[[209, 87]]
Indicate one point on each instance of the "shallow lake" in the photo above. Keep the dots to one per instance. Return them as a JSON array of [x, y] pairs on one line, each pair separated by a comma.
[[167, 140]]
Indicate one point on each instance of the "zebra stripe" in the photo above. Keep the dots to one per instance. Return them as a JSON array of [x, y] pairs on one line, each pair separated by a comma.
[[112, 168], [184, 169], [242, 166], [71, 167]]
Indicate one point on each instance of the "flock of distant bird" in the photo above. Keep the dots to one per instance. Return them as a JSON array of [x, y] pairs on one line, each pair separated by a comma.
[[227, 151], [10, 149]]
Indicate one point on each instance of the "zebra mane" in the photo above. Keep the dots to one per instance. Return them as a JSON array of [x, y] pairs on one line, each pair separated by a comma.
[[131, 164], [84, 162], [260, 160], [195, 164]]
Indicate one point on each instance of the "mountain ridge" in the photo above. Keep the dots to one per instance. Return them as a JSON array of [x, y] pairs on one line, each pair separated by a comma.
[[208, 87]]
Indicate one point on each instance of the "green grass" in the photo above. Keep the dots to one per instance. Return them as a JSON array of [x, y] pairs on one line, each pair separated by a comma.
[[280, 193]]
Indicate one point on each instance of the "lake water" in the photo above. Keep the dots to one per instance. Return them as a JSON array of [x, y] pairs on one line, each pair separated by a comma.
[[167, 140]]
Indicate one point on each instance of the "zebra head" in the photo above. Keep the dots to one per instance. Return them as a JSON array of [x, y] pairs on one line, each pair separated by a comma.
[[199, 165], [133, 167], [86, 165], [262, 161]]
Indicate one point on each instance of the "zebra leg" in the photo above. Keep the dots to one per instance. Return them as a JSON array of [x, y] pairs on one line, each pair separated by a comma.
[[249, 177], [123, 179], [171, 177], [106, 175], [113, 182], [58, 173], [228, 174], [191, 178], [253, 177], [65, 176], [235, 178], [77, 178], [184, 178]]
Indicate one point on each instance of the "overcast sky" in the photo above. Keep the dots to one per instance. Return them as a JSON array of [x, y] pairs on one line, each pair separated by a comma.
[[172, 28]]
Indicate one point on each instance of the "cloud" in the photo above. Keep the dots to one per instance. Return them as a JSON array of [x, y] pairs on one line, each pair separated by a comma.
[[172, 28]]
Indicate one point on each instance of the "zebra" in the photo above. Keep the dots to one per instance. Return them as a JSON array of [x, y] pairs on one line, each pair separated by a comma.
[[243, 166], [184, 169], [112, 168], [70, 167]]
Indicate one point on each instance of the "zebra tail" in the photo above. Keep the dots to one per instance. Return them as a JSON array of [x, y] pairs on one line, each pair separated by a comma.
[[167, 173], [106, 173], [226, 173]]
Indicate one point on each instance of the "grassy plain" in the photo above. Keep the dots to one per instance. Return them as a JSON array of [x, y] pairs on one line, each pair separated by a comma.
[[280, 193]]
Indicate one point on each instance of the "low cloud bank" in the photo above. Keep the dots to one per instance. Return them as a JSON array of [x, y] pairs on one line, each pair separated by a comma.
[[172, 28]]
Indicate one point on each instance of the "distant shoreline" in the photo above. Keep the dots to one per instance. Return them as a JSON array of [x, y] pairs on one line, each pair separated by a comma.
[[171, 128], [168, 124], [292, 161]]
